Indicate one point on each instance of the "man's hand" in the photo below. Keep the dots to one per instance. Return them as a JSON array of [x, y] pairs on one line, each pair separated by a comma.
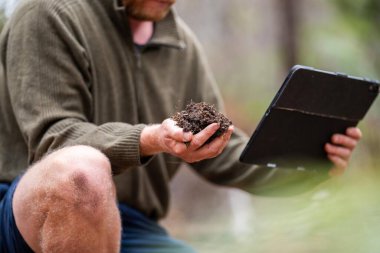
[[340, 149], [168, 137]]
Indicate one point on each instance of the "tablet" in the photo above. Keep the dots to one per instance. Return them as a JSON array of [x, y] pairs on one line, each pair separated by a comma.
[[308, 109]]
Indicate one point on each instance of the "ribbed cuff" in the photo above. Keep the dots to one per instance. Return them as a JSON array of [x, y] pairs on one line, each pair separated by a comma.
[[126, 153]]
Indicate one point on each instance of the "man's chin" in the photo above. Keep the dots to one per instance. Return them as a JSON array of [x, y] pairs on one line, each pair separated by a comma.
[[150, 16]]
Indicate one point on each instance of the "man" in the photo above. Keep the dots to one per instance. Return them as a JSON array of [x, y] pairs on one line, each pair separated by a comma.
[[84, 85]]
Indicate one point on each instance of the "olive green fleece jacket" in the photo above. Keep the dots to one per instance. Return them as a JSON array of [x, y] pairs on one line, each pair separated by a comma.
[[70, 74]]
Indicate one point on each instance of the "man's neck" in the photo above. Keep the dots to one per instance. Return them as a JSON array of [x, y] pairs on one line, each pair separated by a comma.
[[142, 31]]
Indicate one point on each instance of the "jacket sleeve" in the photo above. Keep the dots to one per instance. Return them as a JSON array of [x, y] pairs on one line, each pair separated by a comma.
[[226, 169], [49, 82]]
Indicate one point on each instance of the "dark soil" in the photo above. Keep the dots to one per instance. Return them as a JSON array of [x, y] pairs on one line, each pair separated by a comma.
[[197, 116]]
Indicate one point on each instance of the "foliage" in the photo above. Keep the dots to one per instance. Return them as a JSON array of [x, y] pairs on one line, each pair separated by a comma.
[[364, 18], [365, 12]]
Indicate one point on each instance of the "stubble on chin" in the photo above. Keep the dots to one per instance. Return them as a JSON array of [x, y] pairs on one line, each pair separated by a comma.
[[137, 10]]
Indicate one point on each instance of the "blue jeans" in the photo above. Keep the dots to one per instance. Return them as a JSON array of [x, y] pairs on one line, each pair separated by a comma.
[[143, 235], [139, 233], [11, 240]]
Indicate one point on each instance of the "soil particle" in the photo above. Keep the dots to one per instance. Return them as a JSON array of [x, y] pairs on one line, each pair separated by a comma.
[[197, 116]]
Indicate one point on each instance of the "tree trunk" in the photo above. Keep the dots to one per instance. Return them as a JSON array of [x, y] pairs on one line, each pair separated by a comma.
[[288, 31]]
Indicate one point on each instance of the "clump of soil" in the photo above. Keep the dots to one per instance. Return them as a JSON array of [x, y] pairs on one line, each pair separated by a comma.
[[197, 116]]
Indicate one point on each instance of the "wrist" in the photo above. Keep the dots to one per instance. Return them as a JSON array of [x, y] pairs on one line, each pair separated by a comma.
[[149, 144]]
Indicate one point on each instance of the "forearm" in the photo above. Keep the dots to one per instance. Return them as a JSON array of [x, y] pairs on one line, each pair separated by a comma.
[[226, 170]]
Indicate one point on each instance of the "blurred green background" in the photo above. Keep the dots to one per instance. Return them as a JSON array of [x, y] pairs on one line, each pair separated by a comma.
[[251, 45]]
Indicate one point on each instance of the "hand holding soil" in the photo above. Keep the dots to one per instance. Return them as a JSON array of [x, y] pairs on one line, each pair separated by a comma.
[[190, 135], [197, 116]]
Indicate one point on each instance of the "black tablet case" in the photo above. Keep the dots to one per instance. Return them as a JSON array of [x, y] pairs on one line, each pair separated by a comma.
[[308, 109]]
